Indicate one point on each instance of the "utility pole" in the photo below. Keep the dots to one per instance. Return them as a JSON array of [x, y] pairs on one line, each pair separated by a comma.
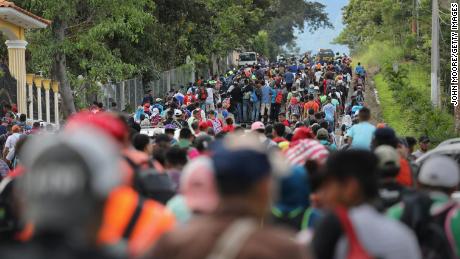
[[417, 8], [435, 87]]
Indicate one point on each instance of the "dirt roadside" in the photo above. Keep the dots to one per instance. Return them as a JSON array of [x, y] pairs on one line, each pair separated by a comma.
[[371, 97]]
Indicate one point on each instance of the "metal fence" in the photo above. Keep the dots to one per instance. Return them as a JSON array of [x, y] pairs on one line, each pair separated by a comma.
[[173, 79], [126, 95]]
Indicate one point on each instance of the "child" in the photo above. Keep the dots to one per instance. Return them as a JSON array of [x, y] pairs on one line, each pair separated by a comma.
[[294, 106]]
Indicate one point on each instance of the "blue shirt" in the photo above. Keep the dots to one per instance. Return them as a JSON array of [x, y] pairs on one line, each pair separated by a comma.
[[361, 134], [329, 109], [266, 91], [289, 77], [274, 93], [359, 70]]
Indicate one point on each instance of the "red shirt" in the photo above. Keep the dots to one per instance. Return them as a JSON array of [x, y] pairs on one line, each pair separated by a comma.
[[229, 128], [285, 123]]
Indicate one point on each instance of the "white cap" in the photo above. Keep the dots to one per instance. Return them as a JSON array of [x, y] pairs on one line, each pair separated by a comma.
[[440, 171], [177, 112]]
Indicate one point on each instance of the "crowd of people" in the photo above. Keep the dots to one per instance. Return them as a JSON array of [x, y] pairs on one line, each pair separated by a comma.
[[307, 176], [290, 93]]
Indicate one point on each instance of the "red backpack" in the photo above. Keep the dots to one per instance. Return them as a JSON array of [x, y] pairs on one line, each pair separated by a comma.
[[279, 97]]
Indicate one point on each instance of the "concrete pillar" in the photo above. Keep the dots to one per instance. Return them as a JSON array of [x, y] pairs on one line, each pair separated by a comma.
[[55, 86], [38, 84], [17, 66], [30, 84], [47, 87]]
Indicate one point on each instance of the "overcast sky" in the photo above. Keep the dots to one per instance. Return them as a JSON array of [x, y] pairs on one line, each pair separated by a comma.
[[323, 37]]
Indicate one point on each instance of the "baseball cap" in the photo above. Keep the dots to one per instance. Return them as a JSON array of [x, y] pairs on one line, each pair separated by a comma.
[[68, 175], [16, 129], [303, 133], [257, 126], [107, 123], [381, 125], [197, 185], [177, 112], [440, 171], [424, 139], [388, 157], [245, 165], [322, 134], [385, 136]]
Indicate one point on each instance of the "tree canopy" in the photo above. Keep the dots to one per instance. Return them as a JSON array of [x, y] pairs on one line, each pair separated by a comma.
[[110, 40]]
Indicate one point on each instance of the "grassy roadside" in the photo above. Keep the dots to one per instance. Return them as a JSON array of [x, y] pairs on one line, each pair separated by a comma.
[[405, 96], [392, 113]]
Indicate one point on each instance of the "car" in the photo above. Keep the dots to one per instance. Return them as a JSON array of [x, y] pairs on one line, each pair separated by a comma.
[[280, 58]]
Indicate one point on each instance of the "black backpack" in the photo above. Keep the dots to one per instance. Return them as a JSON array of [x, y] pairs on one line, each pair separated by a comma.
[[8, 219], [151, 184], [428, 228]]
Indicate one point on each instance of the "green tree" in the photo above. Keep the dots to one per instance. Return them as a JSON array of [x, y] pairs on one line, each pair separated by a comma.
[[82, 37]]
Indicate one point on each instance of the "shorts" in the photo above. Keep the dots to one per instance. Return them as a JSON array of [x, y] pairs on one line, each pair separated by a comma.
[[263, 107]]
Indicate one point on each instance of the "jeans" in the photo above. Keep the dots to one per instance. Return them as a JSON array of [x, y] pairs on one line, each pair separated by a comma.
[[255, 111], [238, 113], [246, 110], [275, 111]]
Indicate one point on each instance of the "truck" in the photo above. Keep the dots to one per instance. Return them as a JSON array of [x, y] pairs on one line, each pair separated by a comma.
[[247, 59], [326, 55]]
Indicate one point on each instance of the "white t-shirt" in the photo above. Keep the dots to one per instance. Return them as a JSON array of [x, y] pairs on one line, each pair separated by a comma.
[[11, 145], [210, 98], [318, 75], [12, 140]]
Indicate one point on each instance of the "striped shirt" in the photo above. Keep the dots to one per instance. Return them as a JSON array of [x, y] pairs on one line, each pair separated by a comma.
[[305, 150]]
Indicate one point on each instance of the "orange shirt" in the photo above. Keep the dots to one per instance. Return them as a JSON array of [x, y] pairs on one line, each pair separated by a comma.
[[311, 105], [154, 220], [404, 176]]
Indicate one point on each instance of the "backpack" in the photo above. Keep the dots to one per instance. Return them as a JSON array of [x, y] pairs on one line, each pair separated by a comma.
[[279, 97], [429, 229], [203, 94], [329, 84], [360, 98], [8, 222], [292, 219], [151, 184], [356, 249]]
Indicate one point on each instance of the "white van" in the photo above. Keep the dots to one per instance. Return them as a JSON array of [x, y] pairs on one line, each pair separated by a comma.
[[247, 59]]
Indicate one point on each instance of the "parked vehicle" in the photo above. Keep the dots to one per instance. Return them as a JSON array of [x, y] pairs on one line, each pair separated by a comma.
[[247, 59]]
